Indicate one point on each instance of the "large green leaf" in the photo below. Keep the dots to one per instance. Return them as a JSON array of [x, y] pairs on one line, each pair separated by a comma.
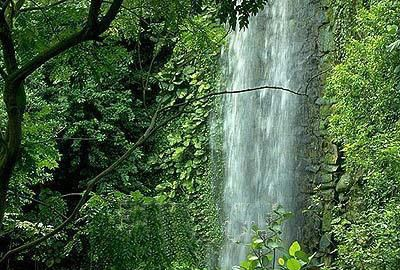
[[293, 264], [294, 248]]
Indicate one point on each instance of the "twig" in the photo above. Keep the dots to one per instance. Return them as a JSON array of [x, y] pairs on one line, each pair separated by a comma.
[[47, 19], [206, 97], [314, 77], [71, 194]]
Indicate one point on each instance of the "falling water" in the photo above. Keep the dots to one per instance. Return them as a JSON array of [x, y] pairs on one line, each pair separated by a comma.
[[260, 127]]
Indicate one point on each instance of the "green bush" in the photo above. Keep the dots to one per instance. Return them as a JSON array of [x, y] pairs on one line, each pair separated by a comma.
[[365, 122], [267, 250]]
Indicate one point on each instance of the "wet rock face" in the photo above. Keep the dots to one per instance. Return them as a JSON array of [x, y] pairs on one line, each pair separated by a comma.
[[323, 170]]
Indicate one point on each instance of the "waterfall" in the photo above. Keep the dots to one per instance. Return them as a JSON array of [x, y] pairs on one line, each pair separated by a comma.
[[260, 128]]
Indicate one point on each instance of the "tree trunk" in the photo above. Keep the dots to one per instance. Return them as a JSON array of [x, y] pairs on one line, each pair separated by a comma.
[[14, 98]]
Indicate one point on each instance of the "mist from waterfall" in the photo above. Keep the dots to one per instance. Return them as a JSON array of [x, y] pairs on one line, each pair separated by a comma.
[[260, 127]]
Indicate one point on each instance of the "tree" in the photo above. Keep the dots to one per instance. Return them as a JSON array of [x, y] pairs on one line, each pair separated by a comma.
[[15, 75]]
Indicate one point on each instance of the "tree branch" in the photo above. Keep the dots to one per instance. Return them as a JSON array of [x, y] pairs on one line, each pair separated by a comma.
[[7, 43], [85, 34], [232, 92], [110, 15], [46, 55], [94, 11]]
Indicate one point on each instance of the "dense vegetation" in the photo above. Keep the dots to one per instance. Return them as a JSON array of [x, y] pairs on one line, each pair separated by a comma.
[[105, 137], [88, 83], [364, 87]]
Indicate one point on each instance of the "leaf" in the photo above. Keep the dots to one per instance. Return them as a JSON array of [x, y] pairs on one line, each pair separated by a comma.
[[274, 244], [294, 248], [258, 241], [137, 195], [248, 265], [293, 264], [281, 261], [394, 46], [276, 228], [392, 29], [302, 256], [253, 258], [265, 260]]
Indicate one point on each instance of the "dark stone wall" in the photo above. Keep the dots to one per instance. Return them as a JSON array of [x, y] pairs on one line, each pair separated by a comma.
[[319, 167]]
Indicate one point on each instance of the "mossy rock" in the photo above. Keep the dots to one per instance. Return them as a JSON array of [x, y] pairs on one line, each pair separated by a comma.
[[330, 159], [344, 184], [327, 220], [330, 168], [327, 178], [325, 242]]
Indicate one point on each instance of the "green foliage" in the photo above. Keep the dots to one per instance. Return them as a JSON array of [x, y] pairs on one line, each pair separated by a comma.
[[136, 232], [267, 248], [365, 122], [139, 232], [181, 153], [238, 13], [86, 107]]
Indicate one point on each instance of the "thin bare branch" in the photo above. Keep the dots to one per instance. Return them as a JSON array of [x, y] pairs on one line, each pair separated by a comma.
[[232, 92], [315, 77], [71, 195]]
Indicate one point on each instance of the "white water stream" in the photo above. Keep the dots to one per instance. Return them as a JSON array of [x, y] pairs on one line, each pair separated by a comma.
[[259, 127]]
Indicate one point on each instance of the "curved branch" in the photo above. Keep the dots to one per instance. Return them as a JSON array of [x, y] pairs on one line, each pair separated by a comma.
[[71, 195], [153, 127], [232, 92]]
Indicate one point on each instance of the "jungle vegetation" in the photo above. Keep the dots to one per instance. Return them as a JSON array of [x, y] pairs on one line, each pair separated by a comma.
[[103, 131], [104, 134]]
